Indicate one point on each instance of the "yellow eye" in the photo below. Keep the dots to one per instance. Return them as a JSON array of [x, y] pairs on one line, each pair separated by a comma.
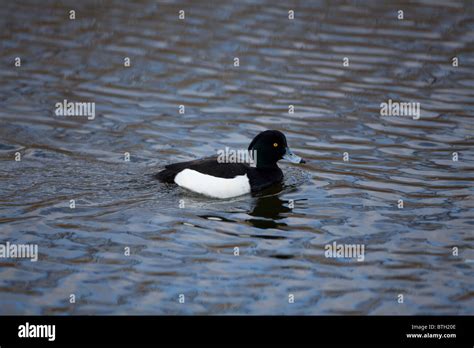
[[275, 144]]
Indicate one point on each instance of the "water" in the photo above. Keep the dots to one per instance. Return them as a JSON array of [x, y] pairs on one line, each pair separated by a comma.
[[190, 250]]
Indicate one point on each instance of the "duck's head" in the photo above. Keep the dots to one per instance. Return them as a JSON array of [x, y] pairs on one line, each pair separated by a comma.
[[270, 147]]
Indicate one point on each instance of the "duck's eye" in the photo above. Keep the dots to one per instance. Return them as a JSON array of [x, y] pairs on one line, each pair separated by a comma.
[[275, 144]]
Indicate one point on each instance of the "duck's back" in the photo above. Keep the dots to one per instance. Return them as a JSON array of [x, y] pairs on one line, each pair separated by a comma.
[[209, 166]]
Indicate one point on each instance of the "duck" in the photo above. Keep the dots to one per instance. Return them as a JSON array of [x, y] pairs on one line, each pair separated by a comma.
[[217, 177]]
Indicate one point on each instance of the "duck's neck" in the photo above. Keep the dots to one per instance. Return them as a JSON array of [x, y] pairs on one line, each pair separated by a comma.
[[267, 166]]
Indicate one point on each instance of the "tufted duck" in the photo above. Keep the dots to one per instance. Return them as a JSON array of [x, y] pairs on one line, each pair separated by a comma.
[[211, 177]]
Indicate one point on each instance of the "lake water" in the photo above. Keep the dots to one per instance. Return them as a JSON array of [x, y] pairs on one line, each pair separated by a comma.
[[181, 243]]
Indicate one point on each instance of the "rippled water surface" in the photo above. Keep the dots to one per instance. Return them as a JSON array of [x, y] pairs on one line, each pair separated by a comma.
[[281, 233]]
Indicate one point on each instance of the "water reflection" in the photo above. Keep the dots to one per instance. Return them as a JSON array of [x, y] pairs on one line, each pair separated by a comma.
[[268, 209]]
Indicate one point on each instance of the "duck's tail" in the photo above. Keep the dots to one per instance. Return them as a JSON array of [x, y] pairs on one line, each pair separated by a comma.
[[166, 175]]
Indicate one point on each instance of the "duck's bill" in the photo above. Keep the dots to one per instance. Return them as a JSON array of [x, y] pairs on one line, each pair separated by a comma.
[[290, 156]]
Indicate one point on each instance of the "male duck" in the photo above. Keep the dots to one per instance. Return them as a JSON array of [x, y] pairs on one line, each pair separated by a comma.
[[221, 179]]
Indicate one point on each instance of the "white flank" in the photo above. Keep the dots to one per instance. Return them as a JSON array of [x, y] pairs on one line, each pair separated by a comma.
[[213, 186]]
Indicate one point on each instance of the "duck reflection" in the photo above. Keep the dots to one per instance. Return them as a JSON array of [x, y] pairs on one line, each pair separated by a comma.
[[268, 209]]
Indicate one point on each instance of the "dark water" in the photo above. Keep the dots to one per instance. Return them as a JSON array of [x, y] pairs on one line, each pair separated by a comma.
[[190, 250]]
